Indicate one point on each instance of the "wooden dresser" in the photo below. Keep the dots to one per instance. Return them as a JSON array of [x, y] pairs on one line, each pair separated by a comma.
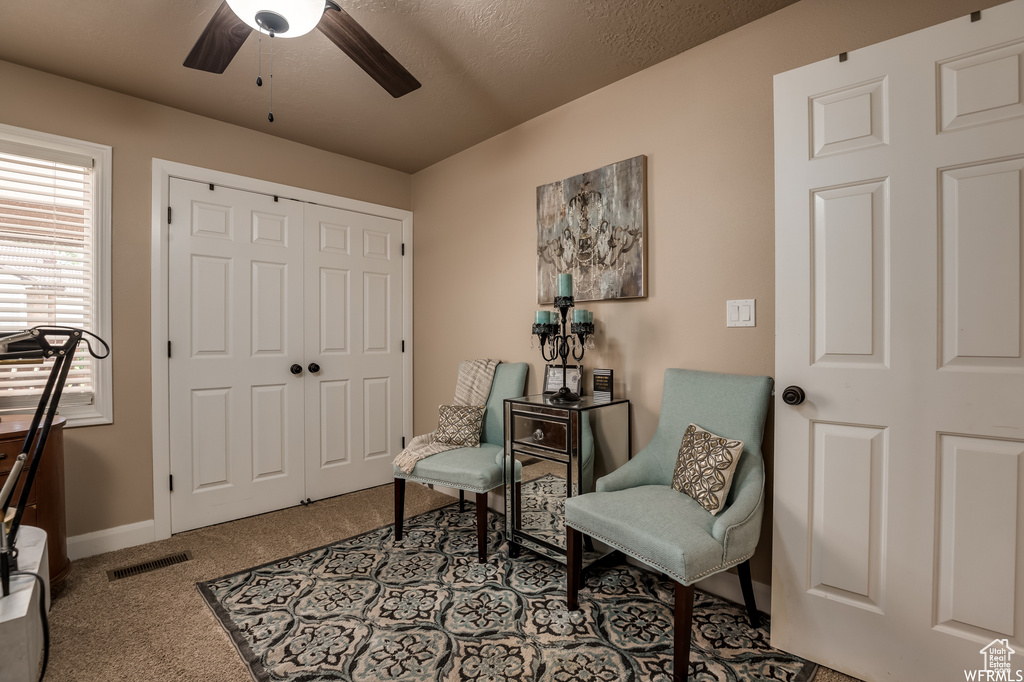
[[46, 500]]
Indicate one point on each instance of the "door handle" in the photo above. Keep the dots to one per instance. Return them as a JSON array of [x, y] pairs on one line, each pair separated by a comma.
[[313, 367], [295, 369], [793, 395]]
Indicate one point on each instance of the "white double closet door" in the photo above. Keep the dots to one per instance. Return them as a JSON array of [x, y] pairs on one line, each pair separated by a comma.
[[285, 374]]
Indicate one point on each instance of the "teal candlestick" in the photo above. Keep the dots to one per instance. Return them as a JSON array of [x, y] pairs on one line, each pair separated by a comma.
[[565, 284]]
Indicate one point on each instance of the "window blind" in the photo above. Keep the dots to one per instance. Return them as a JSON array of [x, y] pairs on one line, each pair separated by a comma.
[[46, 245]]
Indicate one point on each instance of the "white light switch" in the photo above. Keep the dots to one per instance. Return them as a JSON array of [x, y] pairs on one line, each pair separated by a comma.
[[739, 313]]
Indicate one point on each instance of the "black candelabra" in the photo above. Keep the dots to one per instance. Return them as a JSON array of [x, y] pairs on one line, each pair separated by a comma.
[[557, 343]]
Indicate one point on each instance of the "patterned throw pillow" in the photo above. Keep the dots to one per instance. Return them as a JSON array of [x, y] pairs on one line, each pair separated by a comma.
[[459, 425], [705, 467]]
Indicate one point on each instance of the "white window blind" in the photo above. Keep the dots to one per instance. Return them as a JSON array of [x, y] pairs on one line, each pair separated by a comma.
[[46, 268]]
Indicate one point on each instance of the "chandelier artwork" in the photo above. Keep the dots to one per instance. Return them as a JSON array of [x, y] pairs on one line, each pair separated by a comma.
[[593, 226]]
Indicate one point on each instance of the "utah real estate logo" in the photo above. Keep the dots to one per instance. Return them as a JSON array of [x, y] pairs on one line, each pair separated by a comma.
[[997, 665]]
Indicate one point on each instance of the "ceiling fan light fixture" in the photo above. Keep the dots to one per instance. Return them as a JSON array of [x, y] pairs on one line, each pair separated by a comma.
[[285, 18]]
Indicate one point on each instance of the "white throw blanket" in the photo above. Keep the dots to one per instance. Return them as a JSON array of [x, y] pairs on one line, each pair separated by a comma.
[[472, 388]]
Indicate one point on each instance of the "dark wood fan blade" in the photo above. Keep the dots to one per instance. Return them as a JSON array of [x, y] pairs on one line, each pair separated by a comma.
[[354, 41], [218, 42]]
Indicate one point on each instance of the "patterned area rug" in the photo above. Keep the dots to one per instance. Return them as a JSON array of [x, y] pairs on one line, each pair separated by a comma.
[[369, 609]]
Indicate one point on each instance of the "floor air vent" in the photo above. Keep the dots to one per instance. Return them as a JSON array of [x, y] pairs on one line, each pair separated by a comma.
[[147, 566]]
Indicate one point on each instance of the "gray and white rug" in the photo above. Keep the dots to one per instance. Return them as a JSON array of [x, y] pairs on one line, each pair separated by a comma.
[[370, 609]]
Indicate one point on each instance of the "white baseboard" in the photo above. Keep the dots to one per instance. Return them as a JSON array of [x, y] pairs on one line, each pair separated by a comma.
[[109, 539], [727, 586]]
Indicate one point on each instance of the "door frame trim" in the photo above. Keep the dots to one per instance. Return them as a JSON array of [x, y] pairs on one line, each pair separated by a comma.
[[163, 171]]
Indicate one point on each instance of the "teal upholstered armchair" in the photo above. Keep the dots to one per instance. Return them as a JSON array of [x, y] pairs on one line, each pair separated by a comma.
[[477, 470], [635, 510]]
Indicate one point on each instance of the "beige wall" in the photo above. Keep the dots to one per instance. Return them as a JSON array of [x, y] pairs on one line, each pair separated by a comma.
[[704, 120], [110, 468]]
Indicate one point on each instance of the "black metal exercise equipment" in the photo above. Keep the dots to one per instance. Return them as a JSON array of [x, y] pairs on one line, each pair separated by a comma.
[[36, 345]]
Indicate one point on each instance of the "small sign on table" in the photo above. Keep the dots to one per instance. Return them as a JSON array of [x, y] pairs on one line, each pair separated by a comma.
[[602, 385]]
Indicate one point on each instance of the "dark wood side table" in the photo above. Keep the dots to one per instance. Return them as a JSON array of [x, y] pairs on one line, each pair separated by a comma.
[[46, 499]]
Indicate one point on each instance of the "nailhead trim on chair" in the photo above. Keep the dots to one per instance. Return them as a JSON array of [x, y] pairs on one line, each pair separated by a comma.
[[448, 484]]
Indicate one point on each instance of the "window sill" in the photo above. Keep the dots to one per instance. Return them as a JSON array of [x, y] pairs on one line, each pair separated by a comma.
[[83, 415]]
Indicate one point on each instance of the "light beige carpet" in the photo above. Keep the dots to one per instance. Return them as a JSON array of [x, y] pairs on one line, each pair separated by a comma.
[[155, 626], [829, 675]]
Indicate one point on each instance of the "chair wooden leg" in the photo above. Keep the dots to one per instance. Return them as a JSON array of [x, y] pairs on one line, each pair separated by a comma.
[[399, 507], [748, 593], [681, 632], [574, 567], [481, 527], [462, 501]]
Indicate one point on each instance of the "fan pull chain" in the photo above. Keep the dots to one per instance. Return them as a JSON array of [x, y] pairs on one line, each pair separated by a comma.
[[270, 116], [259, 65]]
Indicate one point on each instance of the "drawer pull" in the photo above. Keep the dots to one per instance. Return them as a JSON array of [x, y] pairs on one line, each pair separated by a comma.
[[3, 456], [538, 435]]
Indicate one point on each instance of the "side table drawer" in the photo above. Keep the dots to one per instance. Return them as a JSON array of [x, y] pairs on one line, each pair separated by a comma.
[[539, 432], [9, 451]]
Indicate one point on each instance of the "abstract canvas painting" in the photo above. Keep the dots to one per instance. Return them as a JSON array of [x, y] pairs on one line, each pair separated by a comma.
[[594, 226]]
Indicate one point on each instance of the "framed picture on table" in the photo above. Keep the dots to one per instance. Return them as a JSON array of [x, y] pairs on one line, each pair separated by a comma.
[[553, 378]]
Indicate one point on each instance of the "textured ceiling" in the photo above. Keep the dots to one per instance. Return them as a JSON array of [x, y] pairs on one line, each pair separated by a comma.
[[485, 65]]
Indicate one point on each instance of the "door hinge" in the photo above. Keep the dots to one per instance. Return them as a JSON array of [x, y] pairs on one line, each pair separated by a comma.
[[168, 215], [168, 349], [403, 248], [172, 482], [403, 345], [403, 442]]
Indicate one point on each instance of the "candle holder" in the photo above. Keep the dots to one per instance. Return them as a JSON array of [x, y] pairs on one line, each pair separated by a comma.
[[556, 343]]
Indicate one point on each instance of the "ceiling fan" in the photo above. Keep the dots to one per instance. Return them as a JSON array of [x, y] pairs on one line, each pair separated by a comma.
[[235, 19]]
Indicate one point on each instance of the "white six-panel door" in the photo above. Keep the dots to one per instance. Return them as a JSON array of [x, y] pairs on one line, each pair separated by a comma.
[[354, 402], [899, 482], [260, 291], [235, 321]]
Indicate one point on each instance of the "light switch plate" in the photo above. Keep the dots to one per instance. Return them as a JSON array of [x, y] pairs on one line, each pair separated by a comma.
[[740, 313]]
